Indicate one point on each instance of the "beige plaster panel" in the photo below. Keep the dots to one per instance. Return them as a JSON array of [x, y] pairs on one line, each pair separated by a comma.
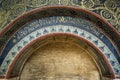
[[60, 61]]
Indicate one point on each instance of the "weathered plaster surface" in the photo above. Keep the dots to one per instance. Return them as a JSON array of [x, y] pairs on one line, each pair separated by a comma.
[[60, 61]]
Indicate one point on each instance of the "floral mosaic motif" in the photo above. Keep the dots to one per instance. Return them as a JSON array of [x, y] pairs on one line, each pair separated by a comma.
[[8, 4], [106, 14], [64, 29], [88, 4], [76, 2], [35, 3], [19, 9], [59, 2], [111, 4], [3, 18], [108, 9]]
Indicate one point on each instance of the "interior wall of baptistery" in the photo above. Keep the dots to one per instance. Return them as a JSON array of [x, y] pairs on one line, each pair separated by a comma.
[[60, 61]]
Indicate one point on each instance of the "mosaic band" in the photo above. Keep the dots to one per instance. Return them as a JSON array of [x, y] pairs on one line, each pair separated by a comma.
[[40, 27]]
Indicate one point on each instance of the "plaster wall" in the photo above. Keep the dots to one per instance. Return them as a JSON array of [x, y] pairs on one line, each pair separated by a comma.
[[60, 61]]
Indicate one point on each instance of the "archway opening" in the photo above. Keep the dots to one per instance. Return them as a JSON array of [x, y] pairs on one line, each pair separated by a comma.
[[69, 49]]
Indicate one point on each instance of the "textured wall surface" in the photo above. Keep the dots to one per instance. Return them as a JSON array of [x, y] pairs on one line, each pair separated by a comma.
[[60, 61]]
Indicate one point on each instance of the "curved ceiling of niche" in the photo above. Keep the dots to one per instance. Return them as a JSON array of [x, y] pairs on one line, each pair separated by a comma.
[[108, 9], [71, 20]]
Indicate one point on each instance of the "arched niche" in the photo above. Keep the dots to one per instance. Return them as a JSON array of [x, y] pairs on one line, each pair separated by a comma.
[[37, 24], [61, 57]]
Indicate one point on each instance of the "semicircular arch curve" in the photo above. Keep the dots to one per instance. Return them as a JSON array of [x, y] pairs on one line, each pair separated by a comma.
[[60, 19]]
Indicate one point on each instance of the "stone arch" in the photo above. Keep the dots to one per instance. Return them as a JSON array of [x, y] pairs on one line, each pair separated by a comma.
[[16, 63], [92, 31]]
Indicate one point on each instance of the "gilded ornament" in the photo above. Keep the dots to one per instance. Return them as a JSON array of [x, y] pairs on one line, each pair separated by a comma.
[[64, 2], [14, 41], [76, 2], [106, 14], [19, 1], [110, 8], [59, 2], [36, 3], [88, 4], [8, 4], [3, 18], [53, 2], [110, 4], [18, 9], [113, 22], [119, 18], [96, 2]]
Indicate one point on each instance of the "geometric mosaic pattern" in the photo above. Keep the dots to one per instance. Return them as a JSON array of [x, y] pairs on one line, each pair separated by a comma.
[[63, 29], [107, 9], [63, 24]]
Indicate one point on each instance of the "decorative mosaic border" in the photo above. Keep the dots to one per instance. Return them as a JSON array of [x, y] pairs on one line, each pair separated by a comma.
[[63, 29], [37, 28], [37, 24]]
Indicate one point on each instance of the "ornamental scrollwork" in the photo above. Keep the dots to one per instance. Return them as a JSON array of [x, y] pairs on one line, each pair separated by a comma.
[[108, 9]]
